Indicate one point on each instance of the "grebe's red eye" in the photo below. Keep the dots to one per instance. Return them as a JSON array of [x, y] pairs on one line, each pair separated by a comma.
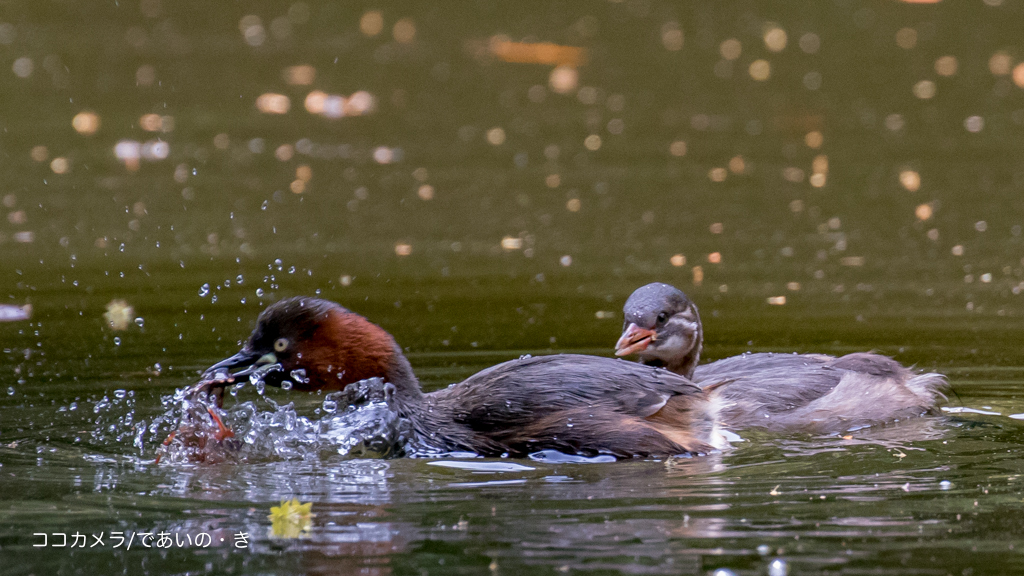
[[281, 344]]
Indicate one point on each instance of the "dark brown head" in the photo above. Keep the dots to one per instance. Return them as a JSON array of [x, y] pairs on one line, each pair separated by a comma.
[[314, 344], [662, 326]]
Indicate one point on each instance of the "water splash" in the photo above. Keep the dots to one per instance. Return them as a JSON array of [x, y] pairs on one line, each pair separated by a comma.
[[367, 427]]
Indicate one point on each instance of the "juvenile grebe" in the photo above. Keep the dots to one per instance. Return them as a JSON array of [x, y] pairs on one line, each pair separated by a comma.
[[810, 392]]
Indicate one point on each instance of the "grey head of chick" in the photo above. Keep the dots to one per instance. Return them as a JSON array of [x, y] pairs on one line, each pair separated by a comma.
[[662, 327]]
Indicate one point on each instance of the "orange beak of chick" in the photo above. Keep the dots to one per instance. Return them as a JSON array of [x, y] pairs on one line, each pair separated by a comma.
[[634, 339]]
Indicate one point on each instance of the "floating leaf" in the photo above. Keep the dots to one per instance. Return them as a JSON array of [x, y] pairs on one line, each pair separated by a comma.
[[291, 519]]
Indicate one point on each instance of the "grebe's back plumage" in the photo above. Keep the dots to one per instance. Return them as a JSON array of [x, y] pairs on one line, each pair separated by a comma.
[[807, 392], [572, 403]]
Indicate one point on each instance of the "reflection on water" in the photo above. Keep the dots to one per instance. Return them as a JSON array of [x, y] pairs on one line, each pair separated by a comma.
[[486, 183]]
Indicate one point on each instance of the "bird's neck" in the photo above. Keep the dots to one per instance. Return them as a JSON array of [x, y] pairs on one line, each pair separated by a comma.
[[431, 416], [408, 394], [685, 364]]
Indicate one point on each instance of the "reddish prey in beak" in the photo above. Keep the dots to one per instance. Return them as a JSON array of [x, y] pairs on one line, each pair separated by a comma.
[[634, 339], [190, 426]]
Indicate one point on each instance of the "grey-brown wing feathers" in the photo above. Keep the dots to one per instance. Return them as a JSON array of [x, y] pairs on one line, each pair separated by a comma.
[[818, 393], [584, 404]]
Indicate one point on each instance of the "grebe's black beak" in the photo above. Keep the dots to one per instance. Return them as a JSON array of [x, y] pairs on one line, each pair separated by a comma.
[[247, 361]]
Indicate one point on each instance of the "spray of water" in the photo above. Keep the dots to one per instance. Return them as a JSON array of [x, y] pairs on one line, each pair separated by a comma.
[[357, 422]]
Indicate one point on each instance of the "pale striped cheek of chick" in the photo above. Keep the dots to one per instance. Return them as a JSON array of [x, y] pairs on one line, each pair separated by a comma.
[[678, 336]]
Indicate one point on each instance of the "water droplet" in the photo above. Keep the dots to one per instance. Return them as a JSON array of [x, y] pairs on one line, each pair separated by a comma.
[[139, 322], [213, 299], [10, 390], [299, 375], [117, 340], [101, 405], [259, 292], [265, 204], [119, 393], [204, 290], [330, 406], [778, 567], [286, 385]]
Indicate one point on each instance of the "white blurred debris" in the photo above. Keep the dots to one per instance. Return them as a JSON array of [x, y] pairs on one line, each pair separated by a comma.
[[13, 313], [119, 314]]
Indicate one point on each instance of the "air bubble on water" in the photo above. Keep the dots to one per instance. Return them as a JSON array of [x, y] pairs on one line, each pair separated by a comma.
[[117, 340], [286, 385], [139, 322], [204, 290]]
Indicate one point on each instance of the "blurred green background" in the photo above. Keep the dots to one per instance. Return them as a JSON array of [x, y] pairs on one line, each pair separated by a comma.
[[486, 179]]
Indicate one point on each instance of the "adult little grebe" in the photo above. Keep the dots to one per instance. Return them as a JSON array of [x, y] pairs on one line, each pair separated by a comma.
[[812, 392], [566, 402]]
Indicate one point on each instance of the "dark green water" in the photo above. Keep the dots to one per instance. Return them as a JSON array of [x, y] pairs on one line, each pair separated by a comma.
[[482, 209]]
